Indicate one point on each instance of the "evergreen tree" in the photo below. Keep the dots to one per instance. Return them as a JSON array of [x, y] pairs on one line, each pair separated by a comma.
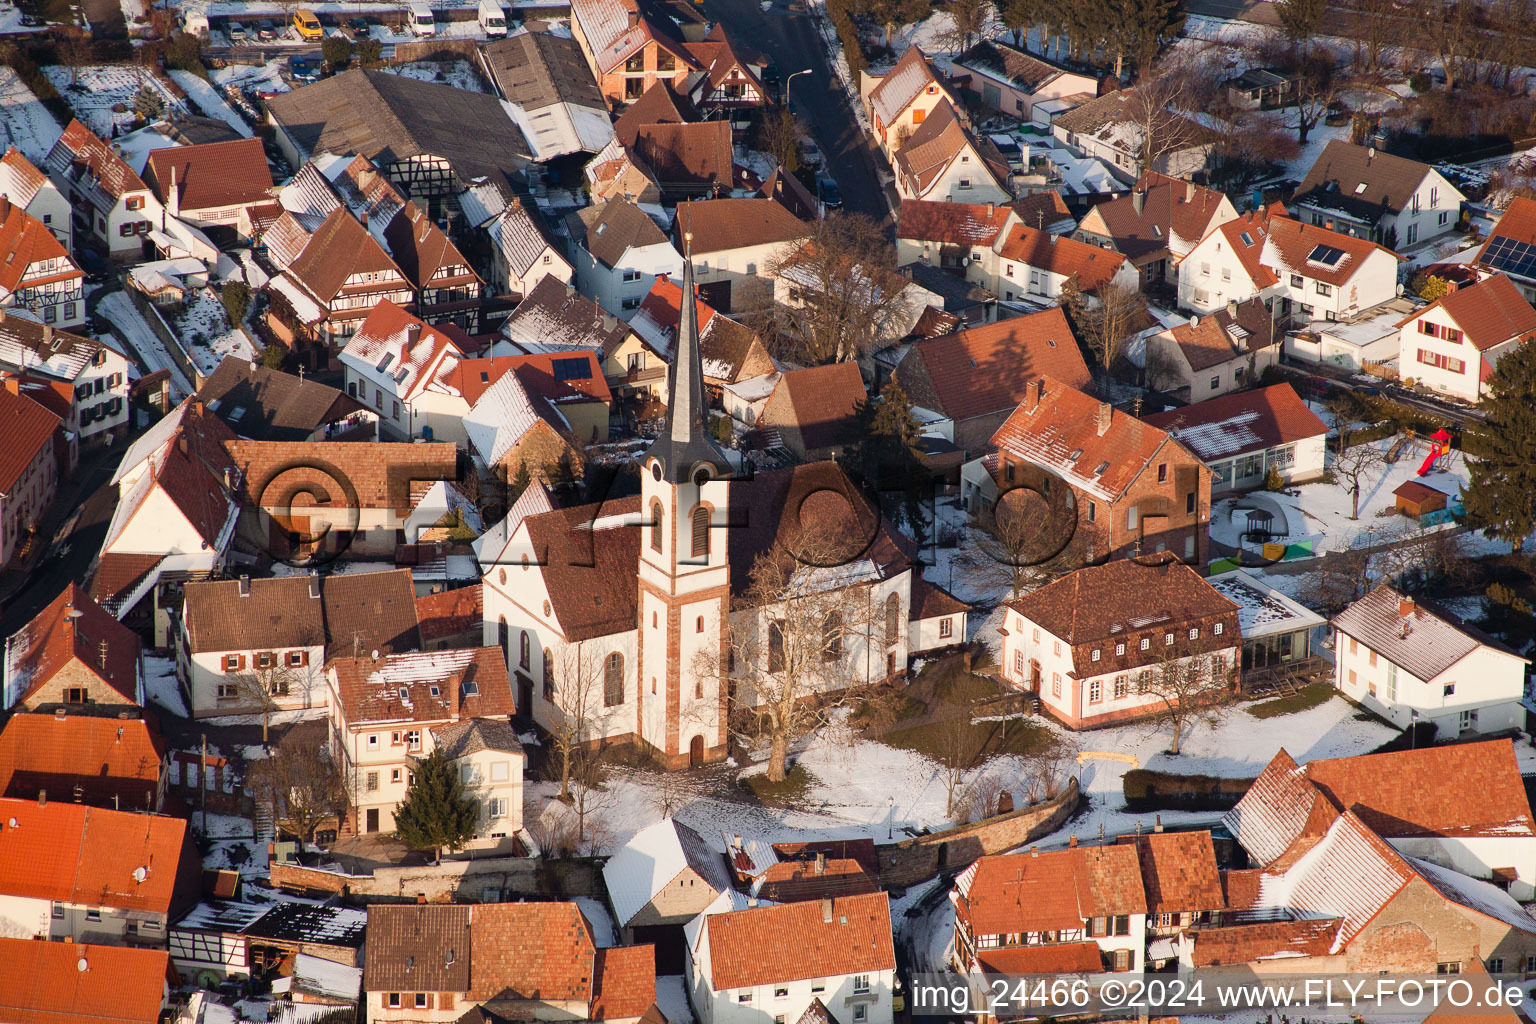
[[886, 454], [520, 482], [1301, 19], [1501, 492], [435, 812]]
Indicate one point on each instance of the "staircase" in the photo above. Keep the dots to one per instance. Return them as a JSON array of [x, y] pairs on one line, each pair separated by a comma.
[[264, 830]]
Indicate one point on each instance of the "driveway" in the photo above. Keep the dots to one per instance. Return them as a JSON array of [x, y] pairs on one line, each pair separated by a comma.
[[791, 42]]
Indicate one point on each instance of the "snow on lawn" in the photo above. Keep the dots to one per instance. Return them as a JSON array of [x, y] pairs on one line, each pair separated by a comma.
[[460, 74], [133, 12], [129, 325], [266, 77], [207, 335], [24, 122], [161, 685], [207, 99], [99, 88], [275, 719]]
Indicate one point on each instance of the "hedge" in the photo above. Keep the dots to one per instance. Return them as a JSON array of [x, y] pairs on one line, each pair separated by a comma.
[[848, 36]]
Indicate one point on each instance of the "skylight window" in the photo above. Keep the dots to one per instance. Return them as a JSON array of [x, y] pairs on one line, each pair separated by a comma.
[[404, 693], [1246, 237], [383, 364], [1360, 188], [435, 691], [471, 688], [1099, 471], [1077, 453]]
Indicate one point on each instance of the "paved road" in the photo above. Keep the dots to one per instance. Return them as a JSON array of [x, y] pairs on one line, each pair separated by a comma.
[[792, 42]]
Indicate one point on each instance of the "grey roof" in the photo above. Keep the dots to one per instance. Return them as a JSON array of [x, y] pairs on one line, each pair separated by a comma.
[[685, 447], [520, 235], [1424, 643], [958, 293], [461, 739], [1005, 62], [611, 230], [387, 117], [270, 405], [537, 69], [1336, 177], [554, 314]]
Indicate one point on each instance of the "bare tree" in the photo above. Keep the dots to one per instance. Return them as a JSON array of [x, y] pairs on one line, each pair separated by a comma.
[[841, 293], [955, 745], [801, 649], [1352, 466], [1106, 319], [1317, 86], [300, 787], [1028, 538], [1191, 688], [578, 827], [968, 23], [1158, 107], [1380, 30], [578, 703], [270, 680]]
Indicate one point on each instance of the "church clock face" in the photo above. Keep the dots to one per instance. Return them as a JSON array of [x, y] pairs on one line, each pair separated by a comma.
[[656, 470], [700, 476]]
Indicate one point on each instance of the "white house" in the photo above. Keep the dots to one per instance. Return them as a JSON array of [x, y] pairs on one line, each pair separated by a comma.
[[1094, 644], [1360, 191], [898, 101], [1029, 264], [945, 161], [522, 254], [735, 243], [618, 252], [1411, 661], [29, 188], [1009, 80], [402, 368], [36, 273], [1114, 127], [1454, 344], [750, 965], [109, 199], [1243, 435], [666, 875], [1209, 356], [1297, 269]]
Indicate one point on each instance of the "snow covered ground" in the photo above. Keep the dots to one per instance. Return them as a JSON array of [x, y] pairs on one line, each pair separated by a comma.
[[266, 77], [207, 335], [100, 88], [24, 122], [129, 325], [161, 686], [207, 100], [460, 74]]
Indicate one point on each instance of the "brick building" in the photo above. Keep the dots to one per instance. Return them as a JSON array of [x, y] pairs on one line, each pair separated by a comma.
[[73, 655]]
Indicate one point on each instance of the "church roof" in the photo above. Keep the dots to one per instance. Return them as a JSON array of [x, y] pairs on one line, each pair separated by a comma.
[[685, 446]]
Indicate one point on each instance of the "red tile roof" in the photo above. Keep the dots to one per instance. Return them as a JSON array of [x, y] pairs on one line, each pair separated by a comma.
[[540, 951], [1244, 943], [624, 983], [97, 641], [1291, 242], [1178, 872], [29, 430], [44, 983], [896, 89], [398, 687], [720, 224], [1489, 313], [794, 881], [1171, 211], [339, 248], [985, 369], [687, 155], [24, 241], [1024, 892], [1091, 266], [1063, 958], [449, 612], [22, 179], [91, 855], [106, 758], [952, 223], [550, 374], [1255, 226], [379, 475], [1242, 422], [79, 146], [805, 940], [1518, 224], [213, 174], [821, 401], [421, 249]]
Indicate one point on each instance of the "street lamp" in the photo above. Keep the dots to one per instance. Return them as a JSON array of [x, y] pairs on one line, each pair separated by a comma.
[[890, 818], [789, 81]]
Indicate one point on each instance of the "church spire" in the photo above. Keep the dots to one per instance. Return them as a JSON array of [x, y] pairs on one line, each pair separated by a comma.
[[685, 444]]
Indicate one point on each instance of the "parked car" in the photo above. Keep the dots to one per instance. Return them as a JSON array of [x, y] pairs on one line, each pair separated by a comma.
[[307, 25], [266, 31], [358, 27], [302, 68], [810, 155], [236, 32], [827, 192]]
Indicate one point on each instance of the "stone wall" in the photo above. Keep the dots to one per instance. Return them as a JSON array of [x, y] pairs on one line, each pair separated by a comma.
[[487, 879]]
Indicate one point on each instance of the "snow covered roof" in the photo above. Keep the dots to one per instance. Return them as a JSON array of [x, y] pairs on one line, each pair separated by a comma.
[[1261, 609], [416, 356], [1420, 638], [650, 861], [321, 977], [1475, 894], [491, 547], [1242, 422], [221, 916], [505, 412]]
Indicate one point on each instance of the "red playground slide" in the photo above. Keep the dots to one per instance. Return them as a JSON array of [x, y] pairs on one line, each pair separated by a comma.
[[1440, 447], [1429, 461]]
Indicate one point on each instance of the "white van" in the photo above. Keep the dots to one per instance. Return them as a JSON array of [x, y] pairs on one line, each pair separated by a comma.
[[195, 23], [419, 17], [492, 18]]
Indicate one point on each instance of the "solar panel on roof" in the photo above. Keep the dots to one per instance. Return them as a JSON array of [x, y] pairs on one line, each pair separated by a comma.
[[1327, 255], [572, 369], [1511, 256]]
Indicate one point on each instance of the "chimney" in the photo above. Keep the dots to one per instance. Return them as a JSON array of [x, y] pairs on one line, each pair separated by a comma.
[[826, 910], [990, 208], [821, 863], [1232, 308], [1138, 201], [59, 714], [245, 586], [1404, 606], [42, 801], [5, 206], [173, 205], [362, 217], [421, 898], [1157, 825], [1034, 851], [412, 334], [314, 585], [119, 734], [1072, 841], [1106, 412], [48, 336], [1189, 191], [1052, 238]]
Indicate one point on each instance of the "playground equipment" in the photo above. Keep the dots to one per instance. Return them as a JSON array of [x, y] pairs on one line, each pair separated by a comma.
[[1439, 450]]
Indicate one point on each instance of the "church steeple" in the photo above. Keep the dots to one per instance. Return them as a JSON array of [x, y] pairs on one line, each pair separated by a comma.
[[685, 446]]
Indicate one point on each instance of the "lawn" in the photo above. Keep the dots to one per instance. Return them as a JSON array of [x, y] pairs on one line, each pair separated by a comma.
[[792, 792], [972, 742], [1304, 699]]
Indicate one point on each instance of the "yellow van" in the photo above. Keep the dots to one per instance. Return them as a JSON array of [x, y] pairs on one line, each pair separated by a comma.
[[307, 25]]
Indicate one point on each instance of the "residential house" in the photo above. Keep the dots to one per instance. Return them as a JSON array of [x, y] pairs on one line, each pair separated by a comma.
[[687, 160], [522, 251], [262, 404], [943, 160], [832, 953], [973, 380], [728, 81], [1081, 909], [1242, 436], [104, 762], [1179, 876], [554, 98], [1114, 128], [951, 235], [736, 244], [1467, 810], [514, 424], [1034, 265], [964, 304], [29, 467], [72, 873], [1136, 489], [245, 644], [83, 983], [1045, 211], [175, 517], [616, 172], [73, 655], [1157, 224], [450, 618], [900, 100], [215, 186], [1454, 344], [36, 273], [627, 50], [663, 878], [445, 289], [732, 351], [30, 189], [893, 306], [1413, 661], [813, 878], [412, 129], [331, 279], [1361, 191], [1263, 89], [1511, 247], [1209, 356], [556, 318], [441, 963], [1297, 269], [110, 201], [1097, 645], [403, 368], [658, 104], [1011, 81], [571, 382], [381, 486], [814, 409], [618, 253]]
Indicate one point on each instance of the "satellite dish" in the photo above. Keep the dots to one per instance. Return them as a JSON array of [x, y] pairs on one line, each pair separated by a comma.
[[81, 965], [139, 874]]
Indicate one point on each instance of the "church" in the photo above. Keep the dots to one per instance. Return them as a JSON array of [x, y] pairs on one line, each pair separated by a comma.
[[625, 616]]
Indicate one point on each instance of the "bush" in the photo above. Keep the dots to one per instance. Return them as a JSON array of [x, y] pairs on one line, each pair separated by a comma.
[[848, 36], [272, 357], [185, 53], [368, 51], [237, 300], [1272, 480], [1420, 81], [337, 52], [720, 428], [1147, 790]]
